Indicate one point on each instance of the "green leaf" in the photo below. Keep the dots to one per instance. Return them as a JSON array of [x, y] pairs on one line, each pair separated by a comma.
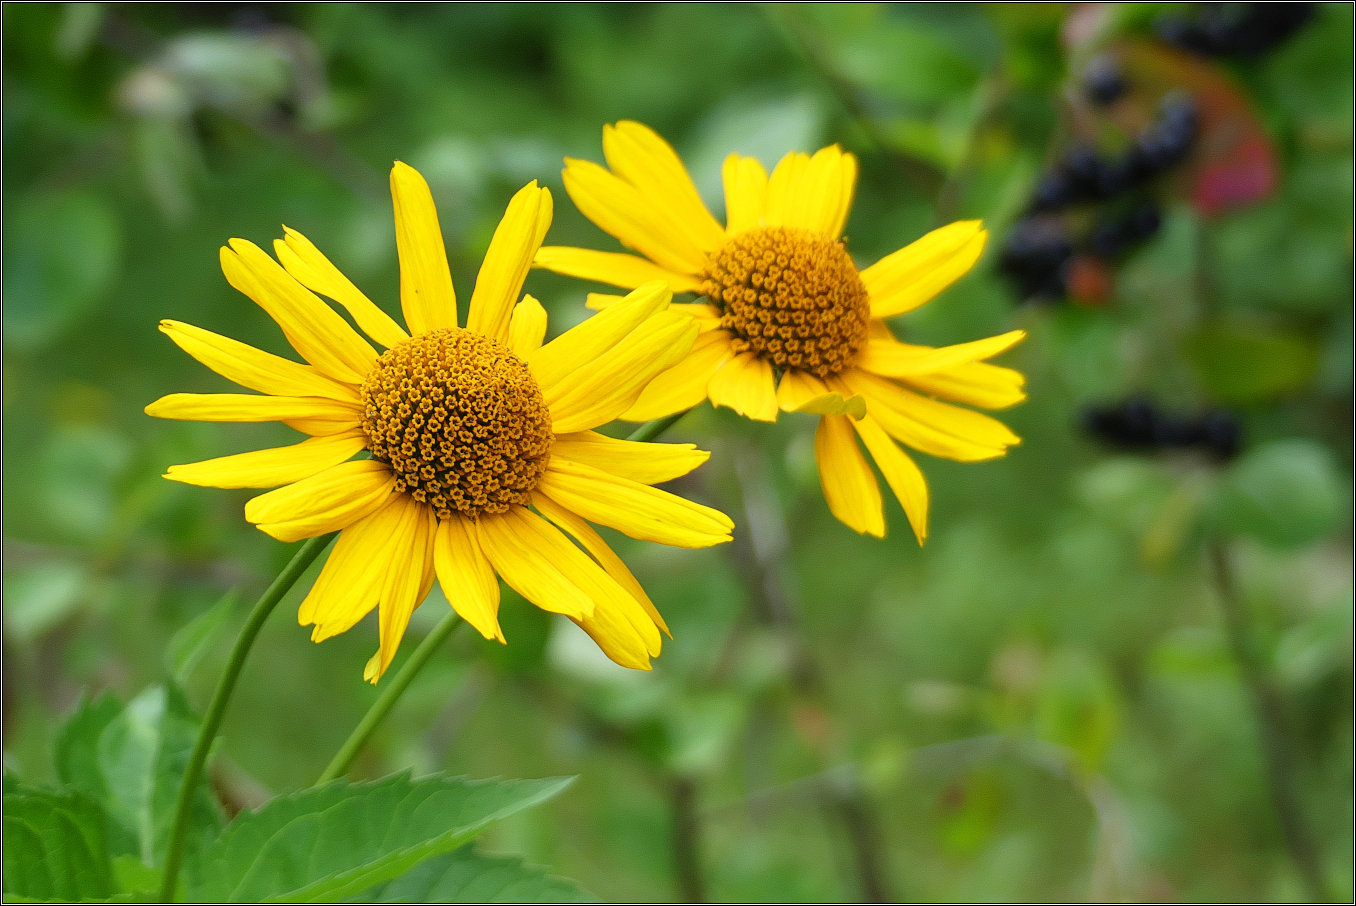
[[197, 637], [467, 876], [1241, 364], [334, 841], [55, 846], [1287, 493]]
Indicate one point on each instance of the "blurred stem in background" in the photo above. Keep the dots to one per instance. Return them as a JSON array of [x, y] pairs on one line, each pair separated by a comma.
[[1273, 727], [222, 696]]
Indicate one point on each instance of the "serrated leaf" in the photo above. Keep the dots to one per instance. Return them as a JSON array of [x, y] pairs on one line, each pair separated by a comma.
[[55, 846], [197, 637], [467, 876], [334, 841]]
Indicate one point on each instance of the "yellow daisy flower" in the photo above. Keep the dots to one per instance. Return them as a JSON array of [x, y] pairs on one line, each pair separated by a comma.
[[467, 427], [784, 297]]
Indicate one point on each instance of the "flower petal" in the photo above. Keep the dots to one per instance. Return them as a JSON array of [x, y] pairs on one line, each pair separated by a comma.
[[537, 561], [313, 328], [927, 425], [632, 508], [508, 260], [327, 501], [253, 368], [745, 193], [975, 384], [271, 468], [616, 268], [411, 560], [848, 171], [685, 384], [746, 385], [817, 202], [467, 578], [350, 584], [426, 294], [782, 187], [315, 272], [244, 407], [913, 275], [801, 391], [528, 327], [577, 347], [849, 486], [886, 356], [638, 155], [647, 463], [622, 210], [901, 474]]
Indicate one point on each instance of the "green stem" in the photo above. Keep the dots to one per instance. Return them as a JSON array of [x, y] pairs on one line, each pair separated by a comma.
[[217, 710], [651, 430], [386, 701]]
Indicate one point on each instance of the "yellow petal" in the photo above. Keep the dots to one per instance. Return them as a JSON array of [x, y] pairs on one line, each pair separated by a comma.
[[242, 407], [253, 368], [927, 425], [632, 508], [411, 559], [616, 268], [528, 327], [886, 356], [327, 501], [745, 193], [901, 474], [638, 155], [746, 385], [350, 584], [975, 384], [313, 328], [599, 301], [706, 316], [609, 385], [467, 578], [800, 391], [581, 344], [916, 273], [817, 202], [646, 463], [848, 171], [508, 260], [315, 272], [320, 427], [622, 210], [270, 468], [782, 186], [426, 294], [536, 560], [606, 557], [849, 486], [684, 385]]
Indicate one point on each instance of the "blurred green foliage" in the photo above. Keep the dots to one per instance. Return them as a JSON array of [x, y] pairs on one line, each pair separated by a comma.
[[1040, 704]]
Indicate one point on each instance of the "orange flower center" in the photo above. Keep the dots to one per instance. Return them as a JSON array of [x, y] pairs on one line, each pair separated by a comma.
[[791, 296], [460, 420]]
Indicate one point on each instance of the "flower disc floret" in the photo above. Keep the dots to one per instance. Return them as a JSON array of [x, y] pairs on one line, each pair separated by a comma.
[[460, 420], [792, 296]]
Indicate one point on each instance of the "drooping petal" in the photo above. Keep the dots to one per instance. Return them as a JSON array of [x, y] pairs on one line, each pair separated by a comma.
[[315, 272], [467, 578], [849, 486], [745, 193], [350, 584], [646, 463], [508, 260], [913, 275], [685, 384], [426, 294], [936, 428], [632, 508], [746, 385], [313, 328], [975, 384], [271, 468], [528, 327], [412, 559], [243, 407], [782, 187], [327, 501], [253, 368], [616, 268], [622, 210], [901, 474], [537, 561], [886, 356], [638, 155], [583, 343], [800, 391]]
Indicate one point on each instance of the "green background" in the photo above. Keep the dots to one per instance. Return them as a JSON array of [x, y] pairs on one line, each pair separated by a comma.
[[1042, 703]]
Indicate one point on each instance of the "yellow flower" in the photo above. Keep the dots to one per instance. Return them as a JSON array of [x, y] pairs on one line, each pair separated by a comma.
[[783, 296], [466, 427]]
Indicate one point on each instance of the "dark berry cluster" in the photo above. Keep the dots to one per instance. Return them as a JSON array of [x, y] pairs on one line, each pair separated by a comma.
[[1244, 30], [1138, 424]]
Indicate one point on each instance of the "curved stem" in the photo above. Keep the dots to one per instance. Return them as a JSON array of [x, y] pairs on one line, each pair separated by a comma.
[[651, 430], [221, 697]]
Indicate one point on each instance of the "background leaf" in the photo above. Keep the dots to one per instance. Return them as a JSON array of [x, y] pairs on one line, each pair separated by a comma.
[[55, 847], [189, 644], [467, 876], [1286, 492]]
